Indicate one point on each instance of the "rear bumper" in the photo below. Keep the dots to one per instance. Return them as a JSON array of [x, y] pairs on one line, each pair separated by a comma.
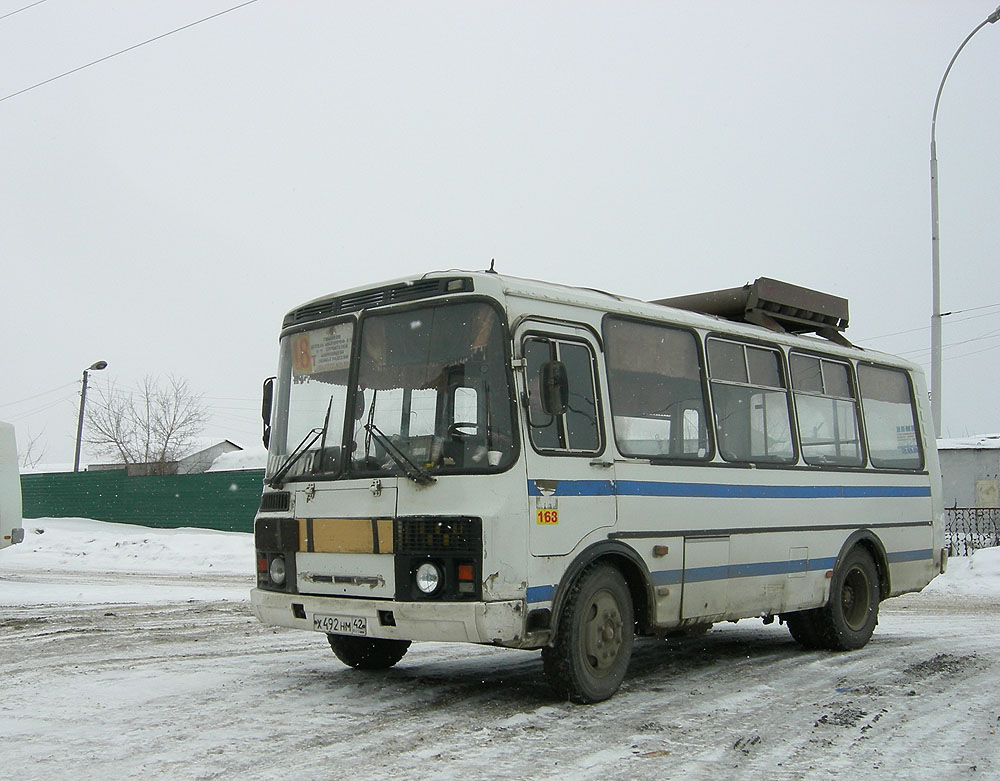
[[498, 623]]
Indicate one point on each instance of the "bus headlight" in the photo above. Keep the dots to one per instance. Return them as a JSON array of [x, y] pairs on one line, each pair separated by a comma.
[[428, 578], [276, 571]]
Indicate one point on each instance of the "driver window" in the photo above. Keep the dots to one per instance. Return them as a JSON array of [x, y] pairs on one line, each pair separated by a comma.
[[578, 429]]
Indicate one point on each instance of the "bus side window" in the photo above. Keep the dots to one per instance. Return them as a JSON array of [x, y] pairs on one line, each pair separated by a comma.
[[750, 397], [827, 411], [890, 419], [577, 429], [656, 390]]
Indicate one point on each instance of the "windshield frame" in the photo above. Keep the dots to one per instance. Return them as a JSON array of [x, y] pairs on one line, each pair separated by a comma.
[[342, 434], [335, 433]]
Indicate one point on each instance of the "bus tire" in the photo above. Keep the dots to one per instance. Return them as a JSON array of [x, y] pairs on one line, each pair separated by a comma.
[[802, 626], [588, 659], [368, 653], [848, 619]]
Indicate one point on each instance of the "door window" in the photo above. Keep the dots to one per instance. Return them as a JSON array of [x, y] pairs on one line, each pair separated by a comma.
[[578, 428]]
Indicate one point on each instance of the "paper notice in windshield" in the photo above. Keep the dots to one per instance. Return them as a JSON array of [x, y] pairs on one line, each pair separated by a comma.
[[328, 349]]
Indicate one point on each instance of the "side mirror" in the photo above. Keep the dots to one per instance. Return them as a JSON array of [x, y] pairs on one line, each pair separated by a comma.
[[265, 409], [554, 388]]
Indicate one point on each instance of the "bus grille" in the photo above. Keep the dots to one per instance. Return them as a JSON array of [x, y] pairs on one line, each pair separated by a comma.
[[276, 502], [439, 535]]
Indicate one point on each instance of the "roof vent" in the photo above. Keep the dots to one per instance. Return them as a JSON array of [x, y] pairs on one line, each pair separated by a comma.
[[773, 304]]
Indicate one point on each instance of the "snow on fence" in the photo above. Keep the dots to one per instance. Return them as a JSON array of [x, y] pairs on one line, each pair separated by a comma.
[[967, 529]]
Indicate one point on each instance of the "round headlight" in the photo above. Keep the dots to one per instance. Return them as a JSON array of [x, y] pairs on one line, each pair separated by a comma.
[[428, 577], [277, 571]]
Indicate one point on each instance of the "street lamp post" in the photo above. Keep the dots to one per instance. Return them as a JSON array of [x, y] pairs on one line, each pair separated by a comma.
[[935, 240], [83, 400]]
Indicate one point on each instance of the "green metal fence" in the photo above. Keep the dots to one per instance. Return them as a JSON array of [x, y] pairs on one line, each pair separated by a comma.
[[225, 501]]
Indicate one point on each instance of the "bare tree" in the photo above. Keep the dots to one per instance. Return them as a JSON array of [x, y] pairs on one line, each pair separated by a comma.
[[33, 452], [154, 424]]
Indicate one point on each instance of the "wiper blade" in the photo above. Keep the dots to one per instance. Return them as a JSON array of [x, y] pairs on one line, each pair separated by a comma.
[[412, 470], [300, 449]]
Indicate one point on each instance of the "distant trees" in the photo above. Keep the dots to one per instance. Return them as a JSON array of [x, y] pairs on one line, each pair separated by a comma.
[[32, 452], [154, 424]]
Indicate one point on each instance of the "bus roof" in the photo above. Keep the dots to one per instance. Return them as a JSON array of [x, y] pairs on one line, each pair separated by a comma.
[[765, 309]]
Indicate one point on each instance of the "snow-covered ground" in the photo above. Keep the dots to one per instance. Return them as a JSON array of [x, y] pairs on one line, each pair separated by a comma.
[[129, 651]]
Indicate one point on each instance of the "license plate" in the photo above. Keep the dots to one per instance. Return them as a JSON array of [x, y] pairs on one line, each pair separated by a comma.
[[340, 625]]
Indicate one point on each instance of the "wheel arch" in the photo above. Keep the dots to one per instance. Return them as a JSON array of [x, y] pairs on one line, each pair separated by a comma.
[[869, 541], [626, 561]]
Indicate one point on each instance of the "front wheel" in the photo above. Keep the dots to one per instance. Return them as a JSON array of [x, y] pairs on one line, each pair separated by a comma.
[[368, 653], [593, 645]]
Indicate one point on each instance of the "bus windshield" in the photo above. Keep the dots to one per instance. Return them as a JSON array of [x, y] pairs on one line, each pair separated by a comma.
[[432, 396], [432, 392]]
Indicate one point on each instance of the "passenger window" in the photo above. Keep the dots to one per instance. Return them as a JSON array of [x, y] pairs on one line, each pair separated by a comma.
[[655, 385], [890, 418], [750, 399], [577, 429], [827, 411]]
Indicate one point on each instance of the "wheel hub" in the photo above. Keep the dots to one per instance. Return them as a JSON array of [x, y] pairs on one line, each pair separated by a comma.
[[854, 599], [602, 636]]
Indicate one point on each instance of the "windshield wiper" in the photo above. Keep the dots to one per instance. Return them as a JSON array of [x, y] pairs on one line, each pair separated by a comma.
[[412, 470], [300, 449], [303, 447]]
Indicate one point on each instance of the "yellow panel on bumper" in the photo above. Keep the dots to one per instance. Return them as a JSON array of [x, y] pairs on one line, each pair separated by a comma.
[[501, 623]]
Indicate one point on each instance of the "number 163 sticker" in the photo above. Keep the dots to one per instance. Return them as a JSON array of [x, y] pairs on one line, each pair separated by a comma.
[[546, 511]]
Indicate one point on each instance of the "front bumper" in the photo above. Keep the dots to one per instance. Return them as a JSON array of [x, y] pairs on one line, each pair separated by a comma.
[[497, 623]]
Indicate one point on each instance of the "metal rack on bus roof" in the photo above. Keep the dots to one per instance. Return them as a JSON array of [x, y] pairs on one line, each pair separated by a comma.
[[778, 306]]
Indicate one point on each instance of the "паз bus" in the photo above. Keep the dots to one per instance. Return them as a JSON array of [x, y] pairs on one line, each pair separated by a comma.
[[477, 458]]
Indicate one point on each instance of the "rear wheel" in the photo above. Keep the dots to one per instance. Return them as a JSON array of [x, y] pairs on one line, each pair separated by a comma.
[[368, 653], [847, 621], [590, 655]]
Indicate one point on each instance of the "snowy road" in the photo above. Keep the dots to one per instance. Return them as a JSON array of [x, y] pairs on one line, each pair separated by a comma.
[[199, 689]]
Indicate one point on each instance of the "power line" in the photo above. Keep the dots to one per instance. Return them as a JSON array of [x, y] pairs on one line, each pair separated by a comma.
[[123, 51], [970, 309], [22, 9], [926, 327], [37, 395], [36, 411]]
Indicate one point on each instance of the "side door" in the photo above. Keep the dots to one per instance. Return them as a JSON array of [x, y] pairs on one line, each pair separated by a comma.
[[571, 481]]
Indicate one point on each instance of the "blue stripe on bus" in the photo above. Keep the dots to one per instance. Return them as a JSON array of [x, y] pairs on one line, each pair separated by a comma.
[[724, 490], [675, 577], [909, 555], [576, 488]]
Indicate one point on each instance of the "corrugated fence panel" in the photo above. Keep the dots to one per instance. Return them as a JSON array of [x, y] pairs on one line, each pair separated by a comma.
[[226, 501]]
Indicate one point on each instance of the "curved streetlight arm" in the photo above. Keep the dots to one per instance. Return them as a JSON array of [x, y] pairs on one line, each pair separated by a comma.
[[935, 239], [991, 19]]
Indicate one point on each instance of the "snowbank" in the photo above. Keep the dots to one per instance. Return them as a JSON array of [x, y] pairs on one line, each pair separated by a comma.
[[975, 575], [82, 545], [76, 560]]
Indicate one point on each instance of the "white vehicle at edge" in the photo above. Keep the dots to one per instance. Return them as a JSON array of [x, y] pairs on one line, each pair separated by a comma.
[[10, 489], [464, 456]]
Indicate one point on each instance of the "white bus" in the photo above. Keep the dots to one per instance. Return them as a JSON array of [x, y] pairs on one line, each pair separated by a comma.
[[10, 489], [478, 458]]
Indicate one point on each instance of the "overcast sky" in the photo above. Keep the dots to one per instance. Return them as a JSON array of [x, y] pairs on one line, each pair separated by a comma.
[[163, 209]]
